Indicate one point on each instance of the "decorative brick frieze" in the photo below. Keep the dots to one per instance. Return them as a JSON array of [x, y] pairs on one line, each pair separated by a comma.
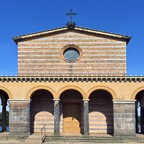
[[72, 79]]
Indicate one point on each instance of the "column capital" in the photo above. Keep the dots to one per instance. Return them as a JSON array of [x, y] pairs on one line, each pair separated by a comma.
[[86, 99], [56, 99], [19, 100]]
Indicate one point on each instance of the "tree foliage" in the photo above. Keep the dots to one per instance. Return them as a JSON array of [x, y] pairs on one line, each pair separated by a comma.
[[7, 118]]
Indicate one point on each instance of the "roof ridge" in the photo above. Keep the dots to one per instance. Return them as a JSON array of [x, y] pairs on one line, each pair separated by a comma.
[[92, 31]]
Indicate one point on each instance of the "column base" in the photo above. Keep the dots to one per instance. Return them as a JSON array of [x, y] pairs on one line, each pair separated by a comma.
[[86, 133], [3, 131], [56, 133], [124, 135]]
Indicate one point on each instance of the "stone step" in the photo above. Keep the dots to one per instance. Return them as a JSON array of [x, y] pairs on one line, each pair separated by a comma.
[[35, 139], [80, 137], [83, 139], [32, 142], [98, 141]]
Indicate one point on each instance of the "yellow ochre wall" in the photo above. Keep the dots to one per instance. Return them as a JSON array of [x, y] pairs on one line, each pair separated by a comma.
[[118, 90]]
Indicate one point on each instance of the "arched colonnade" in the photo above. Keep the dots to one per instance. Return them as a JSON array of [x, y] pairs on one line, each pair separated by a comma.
[[4, 96], [72, 106], [98, 106]]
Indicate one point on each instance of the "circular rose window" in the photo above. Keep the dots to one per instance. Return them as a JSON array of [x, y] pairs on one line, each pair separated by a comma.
[[71, 54]]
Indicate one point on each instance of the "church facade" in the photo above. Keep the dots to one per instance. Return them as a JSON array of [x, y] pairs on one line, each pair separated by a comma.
[[72, 80]]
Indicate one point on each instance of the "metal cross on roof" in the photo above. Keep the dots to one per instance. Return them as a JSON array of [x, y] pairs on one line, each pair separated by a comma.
[[71, 15]]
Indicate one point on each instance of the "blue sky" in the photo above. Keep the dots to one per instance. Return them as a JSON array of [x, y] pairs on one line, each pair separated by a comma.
[[18, 17]]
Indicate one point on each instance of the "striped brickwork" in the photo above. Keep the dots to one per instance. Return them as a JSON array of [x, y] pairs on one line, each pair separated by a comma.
[[100, 112], [99, 56], [70, 96], [42, 111]]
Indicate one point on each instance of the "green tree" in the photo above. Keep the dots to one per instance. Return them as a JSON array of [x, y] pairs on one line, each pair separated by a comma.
[[7, 118], [138, 120], [0, 118]]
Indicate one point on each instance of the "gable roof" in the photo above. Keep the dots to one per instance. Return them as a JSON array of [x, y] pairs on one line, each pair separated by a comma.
[[75, 29]]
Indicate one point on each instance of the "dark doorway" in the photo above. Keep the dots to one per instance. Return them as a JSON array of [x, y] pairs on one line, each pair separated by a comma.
[[4, 112], [100, 112], [139, 112], [42, 111]]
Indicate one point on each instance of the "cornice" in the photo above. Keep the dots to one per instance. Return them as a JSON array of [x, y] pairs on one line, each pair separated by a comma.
[[71, 78], [78, 29]]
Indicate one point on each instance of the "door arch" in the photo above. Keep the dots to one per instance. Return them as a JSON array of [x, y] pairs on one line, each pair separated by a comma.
[[100, 112], [71, 112], [139, 112], [41, 111], [5, 110]]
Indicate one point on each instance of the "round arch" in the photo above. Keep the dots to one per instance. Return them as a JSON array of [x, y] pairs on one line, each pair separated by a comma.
[[113, 94], [70, 88], [136, 91], [7, 91], [31, 91]]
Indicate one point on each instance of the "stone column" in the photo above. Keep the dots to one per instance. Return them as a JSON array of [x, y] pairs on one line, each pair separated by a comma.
[[19, 116], [136, 115], [4, 115], [86, 116], [56, 116], [124, 117]]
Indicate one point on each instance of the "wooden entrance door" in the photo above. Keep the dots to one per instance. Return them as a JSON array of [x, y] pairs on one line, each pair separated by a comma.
[[72, 118]]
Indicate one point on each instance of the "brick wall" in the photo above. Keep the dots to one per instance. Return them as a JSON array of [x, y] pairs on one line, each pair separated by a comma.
[[100, 112], [42, 111], [99, 56]]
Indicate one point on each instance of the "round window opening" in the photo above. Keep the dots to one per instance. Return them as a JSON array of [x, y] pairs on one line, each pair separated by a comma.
[[71, 54]]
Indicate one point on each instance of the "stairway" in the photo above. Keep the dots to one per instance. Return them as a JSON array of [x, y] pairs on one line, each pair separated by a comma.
[[33, 139], [84, 139], [59, 139]]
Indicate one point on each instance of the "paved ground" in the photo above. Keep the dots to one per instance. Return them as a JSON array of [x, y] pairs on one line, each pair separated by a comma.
[[38, 134], [16, 142]]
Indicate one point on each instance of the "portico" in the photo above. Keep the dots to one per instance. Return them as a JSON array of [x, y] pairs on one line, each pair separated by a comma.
[[58, 97]]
